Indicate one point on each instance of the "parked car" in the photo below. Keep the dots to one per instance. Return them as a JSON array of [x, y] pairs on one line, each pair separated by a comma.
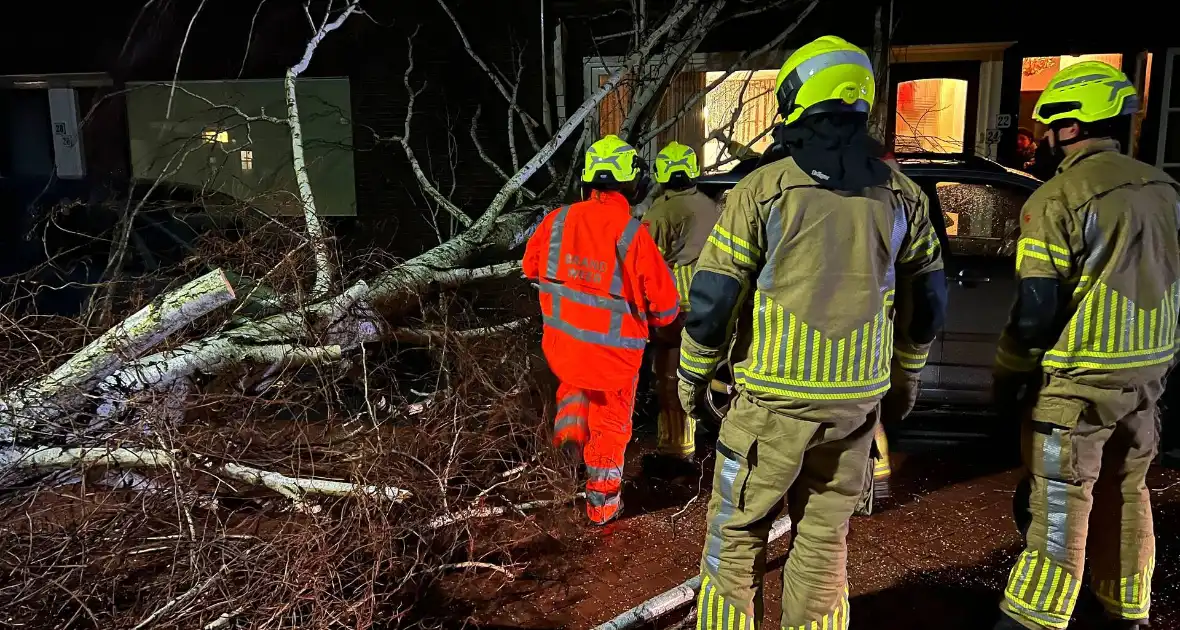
[[975, 205], [56, 235]]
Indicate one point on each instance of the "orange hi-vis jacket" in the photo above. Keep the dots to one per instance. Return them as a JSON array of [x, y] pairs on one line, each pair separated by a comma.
[[602, 282]]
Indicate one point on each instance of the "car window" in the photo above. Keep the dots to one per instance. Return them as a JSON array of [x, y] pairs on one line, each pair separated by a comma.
[[981, 219]]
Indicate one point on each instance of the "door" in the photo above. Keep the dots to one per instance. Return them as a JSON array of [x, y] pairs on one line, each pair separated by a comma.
[[1168, 148], [933, 107], [982, 221]]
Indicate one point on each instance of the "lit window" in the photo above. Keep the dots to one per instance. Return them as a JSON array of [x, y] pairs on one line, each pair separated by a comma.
[[931, 116], [1037, 71], [212, 135], [742, 107], [247, 160]]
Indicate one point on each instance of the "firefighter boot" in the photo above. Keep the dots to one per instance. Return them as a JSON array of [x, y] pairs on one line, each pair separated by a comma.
[[661, 466]]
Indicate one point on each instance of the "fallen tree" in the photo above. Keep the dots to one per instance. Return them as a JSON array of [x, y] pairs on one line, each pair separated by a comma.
[[307, 445]]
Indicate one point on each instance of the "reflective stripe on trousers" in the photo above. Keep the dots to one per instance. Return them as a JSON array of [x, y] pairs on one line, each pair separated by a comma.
[[715, 612], [571, 424], [682, 275], [1128, 597], [676, 430], [607, 431], [881, 469], [1041, 591]]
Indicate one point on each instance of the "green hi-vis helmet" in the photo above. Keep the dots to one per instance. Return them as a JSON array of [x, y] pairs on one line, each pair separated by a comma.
[[676, 158], [611, 160], [826, 75], [1088, 92]]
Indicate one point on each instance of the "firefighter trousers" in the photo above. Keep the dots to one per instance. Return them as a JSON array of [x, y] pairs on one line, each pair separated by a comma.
[[600, 423], [819, 468], [676, 429], [882, 470], [1087, 451]]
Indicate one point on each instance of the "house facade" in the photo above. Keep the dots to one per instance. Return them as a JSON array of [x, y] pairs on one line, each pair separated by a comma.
[[960, 80], [80, 103]]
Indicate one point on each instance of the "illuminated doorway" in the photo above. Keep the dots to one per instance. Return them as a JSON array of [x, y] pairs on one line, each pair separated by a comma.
[[1035, 75]]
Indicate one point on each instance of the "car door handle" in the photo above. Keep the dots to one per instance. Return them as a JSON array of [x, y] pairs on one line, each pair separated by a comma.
[[968, 279]]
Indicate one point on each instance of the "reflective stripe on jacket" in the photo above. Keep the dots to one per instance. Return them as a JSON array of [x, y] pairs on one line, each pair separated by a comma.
[[1105, 229], [602, 283], [822, 270], [680, 222]]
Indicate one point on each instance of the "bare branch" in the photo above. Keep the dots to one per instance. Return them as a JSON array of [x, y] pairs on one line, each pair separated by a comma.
[[529, 121], [315, 229], [250, 37], [404, 140], [530, 124], [645, 101], [436, 337], [692, 102], [180, 57], [483, 154], [576, 118]]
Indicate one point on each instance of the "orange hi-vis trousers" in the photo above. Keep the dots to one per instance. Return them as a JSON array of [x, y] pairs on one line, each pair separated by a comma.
[[600, 422]]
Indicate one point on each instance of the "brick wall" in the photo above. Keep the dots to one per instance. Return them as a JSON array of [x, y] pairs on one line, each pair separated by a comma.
[[371, 52]]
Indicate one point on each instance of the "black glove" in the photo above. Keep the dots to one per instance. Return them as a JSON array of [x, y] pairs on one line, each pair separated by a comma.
[[1014, 392], [692, 398]]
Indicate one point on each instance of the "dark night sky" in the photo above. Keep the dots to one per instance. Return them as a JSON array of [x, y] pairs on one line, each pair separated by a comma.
[[65, 36]]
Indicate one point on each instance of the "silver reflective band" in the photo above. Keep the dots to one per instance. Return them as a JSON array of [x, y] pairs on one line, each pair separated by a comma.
[[610, 340], [1082, 79], [830, 59], [621, 249], [615, 305], [555, 235]]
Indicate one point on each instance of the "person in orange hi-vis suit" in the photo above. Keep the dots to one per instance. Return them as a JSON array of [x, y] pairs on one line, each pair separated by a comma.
[[602, 283]]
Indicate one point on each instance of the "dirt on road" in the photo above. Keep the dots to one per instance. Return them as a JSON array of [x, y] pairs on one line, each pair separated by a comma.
[[936, 556]]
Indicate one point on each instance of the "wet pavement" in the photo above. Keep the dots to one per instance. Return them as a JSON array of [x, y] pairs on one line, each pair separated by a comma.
[[936, 556]]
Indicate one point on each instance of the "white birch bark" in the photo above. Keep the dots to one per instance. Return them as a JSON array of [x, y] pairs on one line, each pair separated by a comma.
[[315, 229], [48, 398]]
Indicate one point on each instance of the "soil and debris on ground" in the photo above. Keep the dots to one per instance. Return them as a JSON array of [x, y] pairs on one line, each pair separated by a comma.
[[937, 556]]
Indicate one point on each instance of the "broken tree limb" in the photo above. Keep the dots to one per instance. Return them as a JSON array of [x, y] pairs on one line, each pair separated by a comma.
[[488, 512], [424, 337], [53, 457], [315, 229], [676, 597], [141, 331], [49, 398], [295, 488]]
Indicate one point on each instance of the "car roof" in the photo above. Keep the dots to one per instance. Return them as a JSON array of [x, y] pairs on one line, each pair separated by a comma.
[[925, 166]]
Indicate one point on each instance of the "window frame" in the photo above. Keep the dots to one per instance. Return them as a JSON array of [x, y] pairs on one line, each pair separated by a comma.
[[928, 181]]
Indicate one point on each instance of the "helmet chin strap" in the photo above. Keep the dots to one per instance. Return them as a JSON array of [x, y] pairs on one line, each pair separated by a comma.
[[1058, 143]]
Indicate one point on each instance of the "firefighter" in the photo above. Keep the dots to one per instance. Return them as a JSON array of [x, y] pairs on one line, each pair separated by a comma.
[[680, 221], [817, 242], [1091, 336], [602, 283]]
